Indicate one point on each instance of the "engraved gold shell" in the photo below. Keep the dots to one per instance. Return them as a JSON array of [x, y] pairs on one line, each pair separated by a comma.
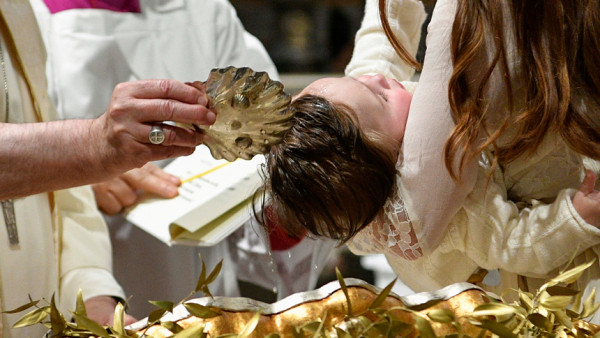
[[252, 113]]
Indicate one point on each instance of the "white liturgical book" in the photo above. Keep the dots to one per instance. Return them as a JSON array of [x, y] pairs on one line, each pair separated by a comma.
[[214, 200]]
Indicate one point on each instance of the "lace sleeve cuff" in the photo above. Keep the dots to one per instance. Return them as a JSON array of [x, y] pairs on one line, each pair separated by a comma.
[[390, 233]]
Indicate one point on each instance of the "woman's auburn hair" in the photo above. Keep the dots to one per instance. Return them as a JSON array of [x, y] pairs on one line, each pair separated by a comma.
[[327, 176], [558, 49]]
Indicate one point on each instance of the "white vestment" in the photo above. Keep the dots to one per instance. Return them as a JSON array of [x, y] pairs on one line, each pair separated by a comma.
[[63, 240]]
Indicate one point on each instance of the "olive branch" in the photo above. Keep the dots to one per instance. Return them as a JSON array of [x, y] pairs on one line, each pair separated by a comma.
[[554, 311]]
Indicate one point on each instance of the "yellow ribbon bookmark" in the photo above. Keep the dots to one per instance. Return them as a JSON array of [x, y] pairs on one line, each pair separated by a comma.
[[205, 173]]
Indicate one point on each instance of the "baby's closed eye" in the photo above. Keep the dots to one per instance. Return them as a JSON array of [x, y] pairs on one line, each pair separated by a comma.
[[383, 95]]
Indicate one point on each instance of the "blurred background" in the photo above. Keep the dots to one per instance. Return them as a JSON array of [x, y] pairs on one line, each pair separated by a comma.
[[307, 36], [308, 40]]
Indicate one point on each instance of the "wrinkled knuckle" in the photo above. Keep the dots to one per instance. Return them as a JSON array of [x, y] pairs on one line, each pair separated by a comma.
[[121, 87], [165, 87], [119, 129], [167, 108], [170, 137], [117, 109]]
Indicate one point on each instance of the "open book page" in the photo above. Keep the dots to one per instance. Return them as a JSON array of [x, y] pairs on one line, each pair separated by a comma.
[[216, 230], [217, 187]]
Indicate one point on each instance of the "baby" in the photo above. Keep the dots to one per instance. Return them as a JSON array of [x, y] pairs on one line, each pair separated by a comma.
[[335, 176]]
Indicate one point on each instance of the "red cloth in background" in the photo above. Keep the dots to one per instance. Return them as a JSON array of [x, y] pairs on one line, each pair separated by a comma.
[[279, 239], [130, 6]]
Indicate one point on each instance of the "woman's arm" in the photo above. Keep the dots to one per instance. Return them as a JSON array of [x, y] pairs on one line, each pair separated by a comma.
[[373, 53], [431, 196]]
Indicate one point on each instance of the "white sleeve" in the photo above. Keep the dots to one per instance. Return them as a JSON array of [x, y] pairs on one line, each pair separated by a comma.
[[373, 53], [85, 253], [431, 197], [492, 233], [236, 47], [532, 241]]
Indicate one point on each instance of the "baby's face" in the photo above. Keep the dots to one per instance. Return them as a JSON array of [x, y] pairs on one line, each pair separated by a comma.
[[381, 104]]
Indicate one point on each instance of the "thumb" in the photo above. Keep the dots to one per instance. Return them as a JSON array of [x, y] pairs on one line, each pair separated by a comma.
[[129, 320], [588, 183]]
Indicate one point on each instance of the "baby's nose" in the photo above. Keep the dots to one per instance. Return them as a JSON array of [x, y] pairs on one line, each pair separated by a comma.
[[381, 81]]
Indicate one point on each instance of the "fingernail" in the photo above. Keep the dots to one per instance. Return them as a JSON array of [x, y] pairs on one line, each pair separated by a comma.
[[175, 180], [171, 190], [211, 117], [203, 100]]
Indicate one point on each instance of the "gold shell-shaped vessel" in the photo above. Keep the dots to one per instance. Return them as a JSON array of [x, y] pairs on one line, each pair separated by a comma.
[[252, 113], [328, 304]]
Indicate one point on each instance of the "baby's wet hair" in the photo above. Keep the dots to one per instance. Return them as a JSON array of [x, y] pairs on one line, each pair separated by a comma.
[[327, 177]]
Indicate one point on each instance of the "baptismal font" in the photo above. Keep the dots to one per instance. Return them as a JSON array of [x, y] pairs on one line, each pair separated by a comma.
[[348, 308]]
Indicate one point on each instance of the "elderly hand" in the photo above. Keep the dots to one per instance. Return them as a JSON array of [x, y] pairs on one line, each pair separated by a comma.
[[587, 200], [101, 309], [122, 133], [114, 195], [41, 157]]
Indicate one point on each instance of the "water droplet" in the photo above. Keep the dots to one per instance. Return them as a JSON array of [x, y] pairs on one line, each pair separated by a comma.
[[289, 254], [243, 142], [274, 289], [235, 125], [316, 267], [266, 141], [263, 132]]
